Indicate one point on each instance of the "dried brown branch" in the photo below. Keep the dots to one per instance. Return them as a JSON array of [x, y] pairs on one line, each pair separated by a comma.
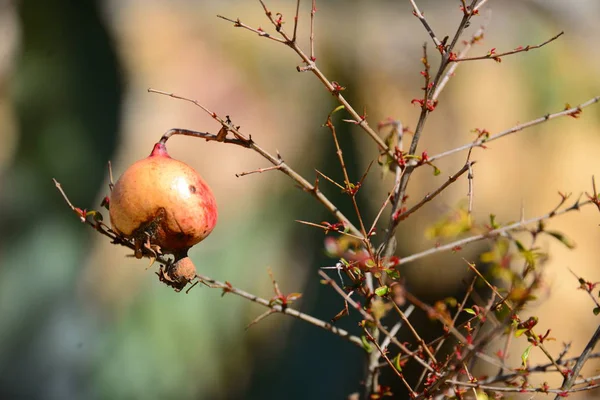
[[572, 375], [91, 219], [383, 354], [430, 196], [417, 13], [257, 171], [368, 317], [332, 87], [492, 233], [492, 55], [247, 142], [569, 111]]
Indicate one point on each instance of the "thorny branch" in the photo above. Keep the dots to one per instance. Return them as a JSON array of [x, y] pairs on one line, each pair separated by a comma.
[[240, 139], [93, 219], [493, 233], [568, 111]]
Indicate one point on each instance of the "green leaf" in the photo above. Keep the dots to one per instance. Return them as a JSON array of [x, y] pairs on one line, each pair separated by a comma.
[[436, 170], [470, 311], [520, 246], [493, 222], [396, 363], [451, 301], [519, 332], [393, 274], [525, 355], [338, 108], [382, 291], [562, 238], [596, 310], [366, 345]]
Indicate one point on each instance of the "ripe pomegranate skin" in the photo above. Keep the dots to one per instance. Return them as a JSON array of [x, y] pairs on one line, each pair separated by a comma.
[[164, 202]]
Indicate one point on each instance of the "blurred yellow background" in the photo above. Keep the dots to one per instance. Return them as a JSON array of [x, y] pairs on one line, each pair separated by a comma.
[[80, 320]]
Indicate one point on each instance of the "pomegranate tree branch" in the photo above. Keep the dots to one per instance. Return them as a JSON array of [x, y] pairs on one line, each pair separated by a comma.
[[94, 219], [435, 193], [574, 112], [332, 87], [493, 233], [428, 104], [477, 36], [572, 375], [238, 24], [492, 55], [241, 139], [417, 13], [228, 288], [368, 318], [559, 393], [542, 368]]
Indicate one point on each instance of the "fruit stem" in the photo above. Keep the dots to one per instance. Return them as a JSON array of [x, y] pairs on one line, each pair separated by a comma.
[[185, 132], [159, 150], [220, 137]]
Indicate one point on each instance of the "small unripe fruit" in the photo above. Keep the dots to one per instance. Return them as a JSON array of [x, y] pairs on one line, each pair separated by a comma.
[[163, 202]]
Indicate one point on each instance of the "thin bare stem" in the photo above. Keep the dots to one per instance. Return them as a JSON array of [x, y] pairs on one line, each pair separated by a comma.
[[296, 20], [431, 196], [386, 202], [329, 179], [257, 171], [329, 228], [446, 78], [570, 111], [313, 11], [386, 341], [417, 13], [492, 55], [491, 234], [572, 375], [334, 88], [244, 141], [228, 288], [238, 24], [368, 317], [386, 358], [414, 332], [478, 6], [349, 189]]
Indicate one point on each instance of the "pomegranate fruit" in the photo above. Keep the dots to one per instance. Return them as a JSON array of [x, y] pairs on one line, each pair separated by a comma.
[[162, 204]]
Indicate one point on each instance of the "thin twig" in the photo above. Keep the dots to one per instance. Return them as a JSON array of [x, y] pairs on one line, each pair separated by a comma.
[[240, 139], [238, 24], [430, 196], [257, 171], [227, 288], [368, 317], [313, 11], [296, 20], [496, 57], [417, 13], [328, 228], [572, 375], [570, 111], [349, 186], [334, 89], [491, 234], [519, 389], [383, 354]]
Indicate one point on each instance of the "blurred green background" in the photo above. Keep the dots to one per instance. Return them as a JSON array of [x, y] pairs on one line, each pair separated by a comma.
[[79, 320]]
